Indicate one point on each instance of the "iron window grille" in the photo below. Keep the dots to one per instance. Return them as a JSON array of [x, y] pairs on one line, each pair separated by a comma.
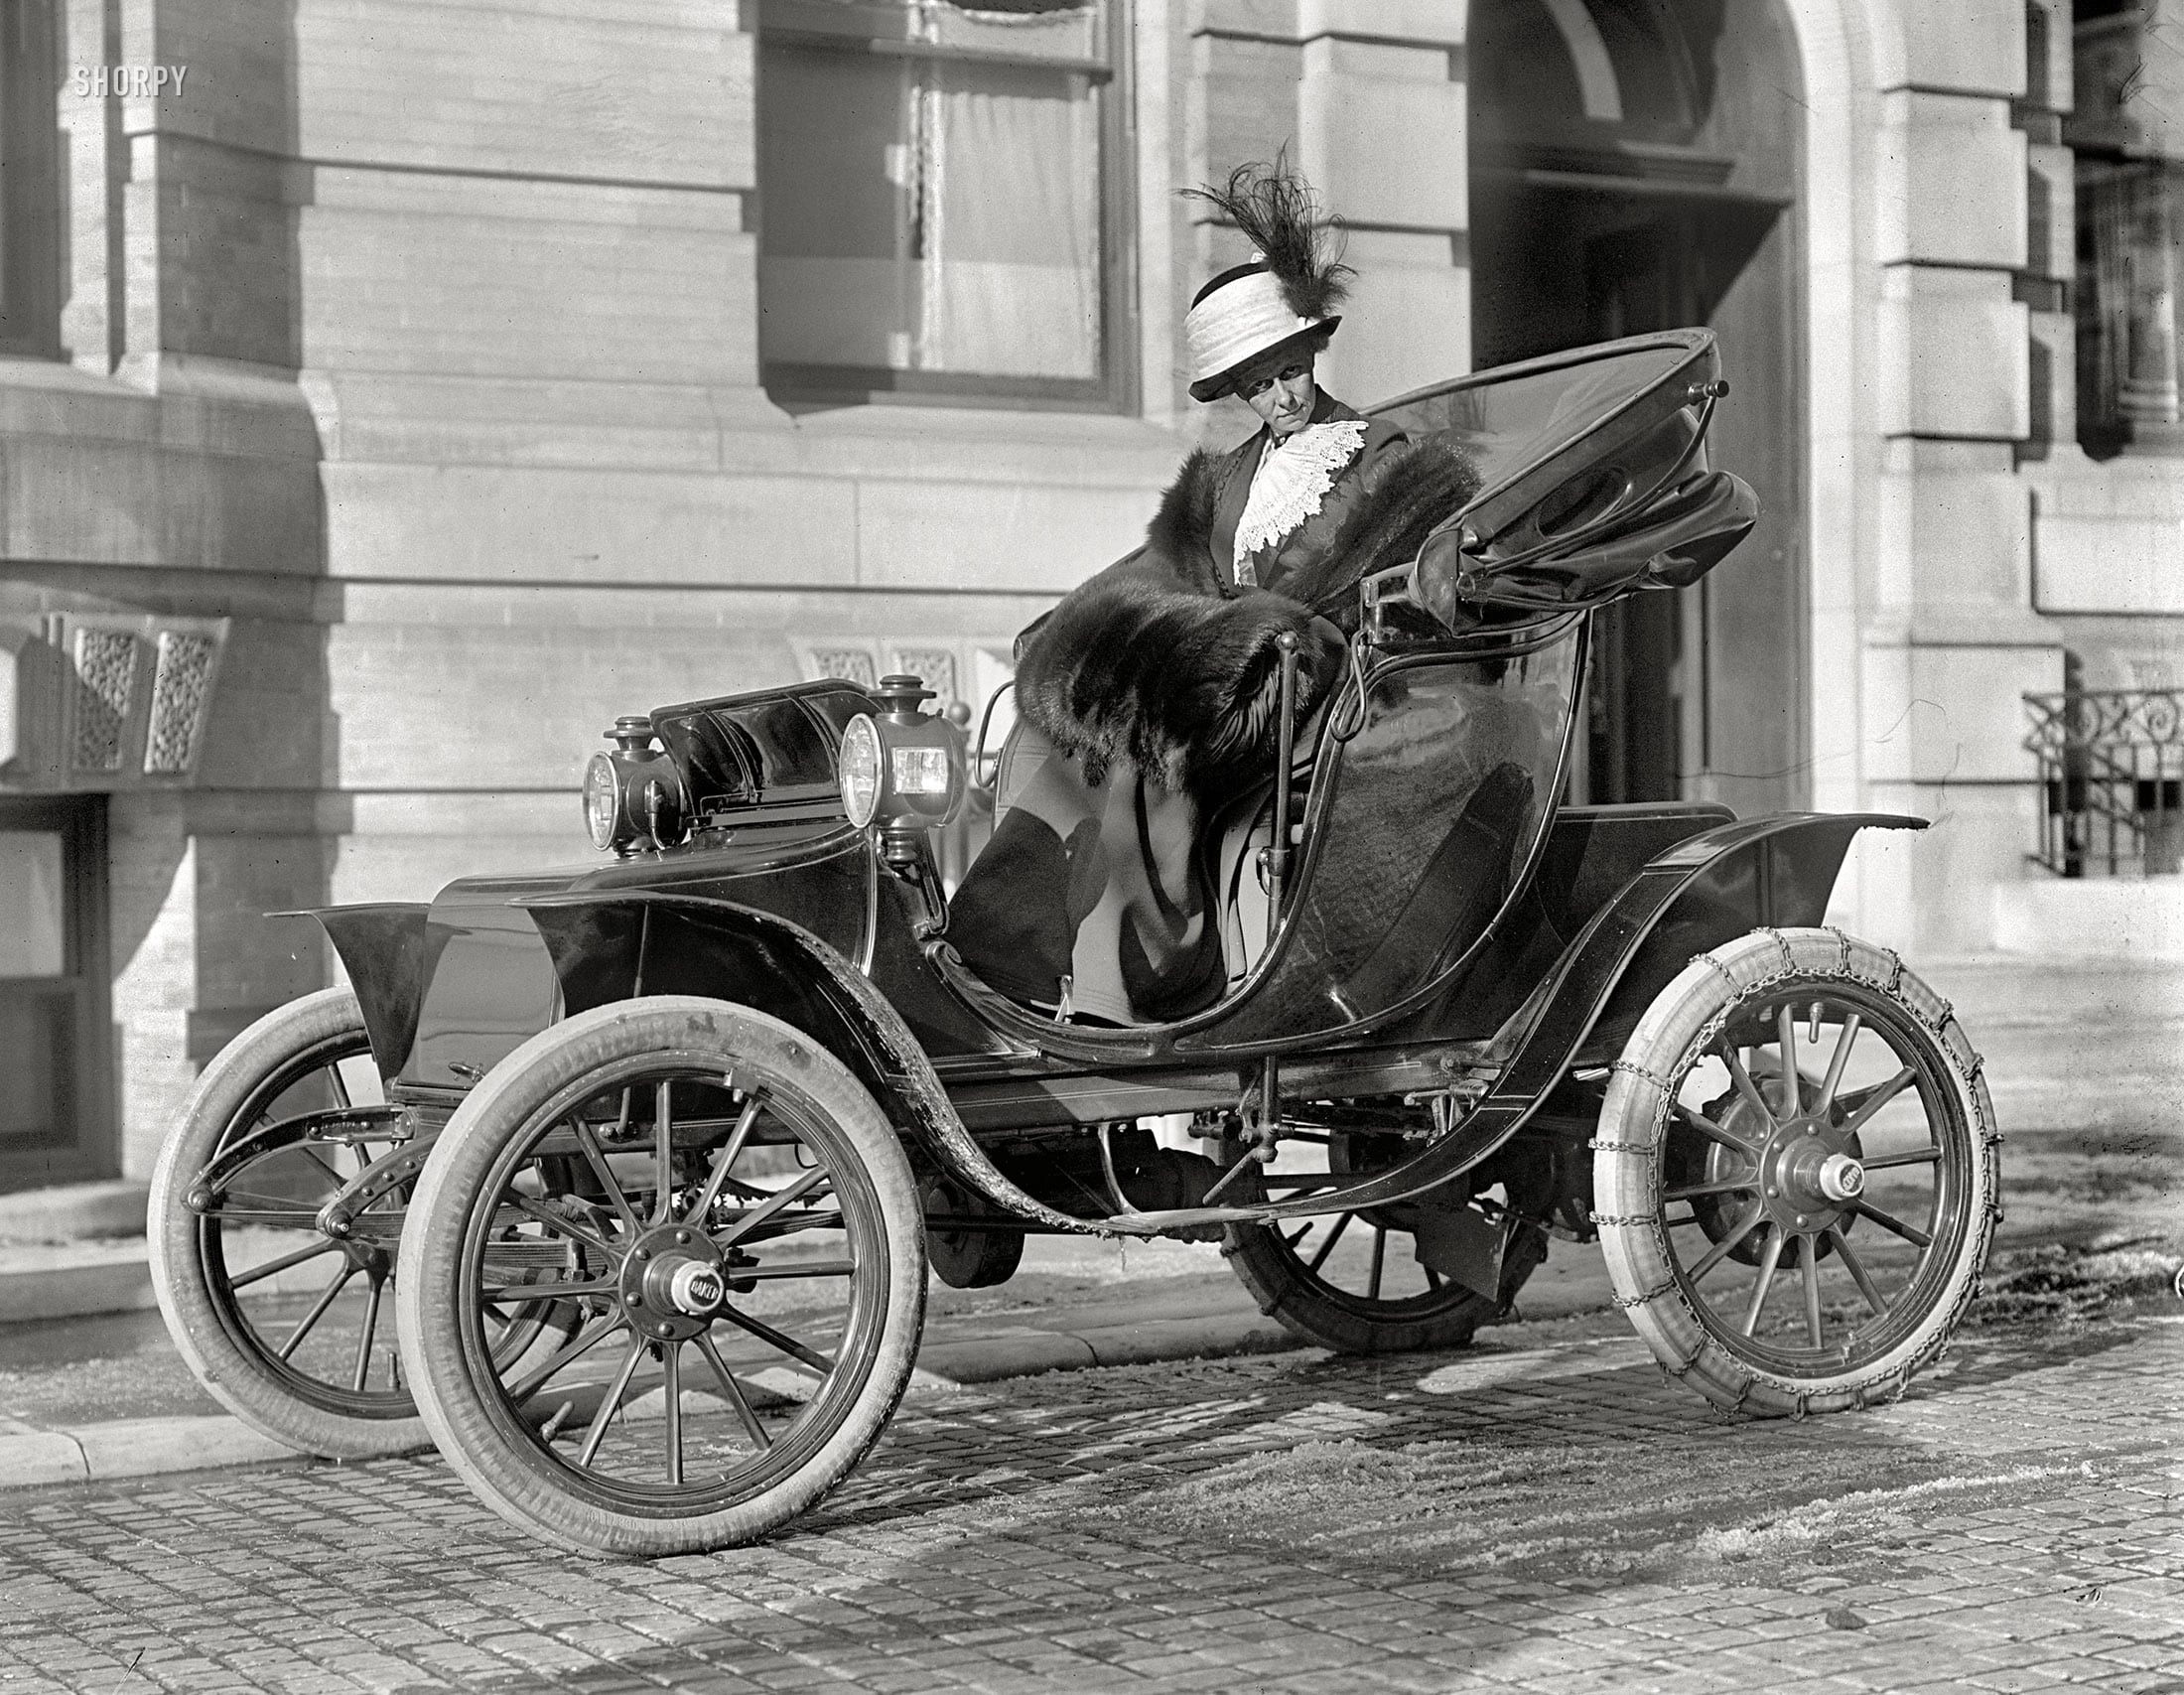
[[2111, 779]]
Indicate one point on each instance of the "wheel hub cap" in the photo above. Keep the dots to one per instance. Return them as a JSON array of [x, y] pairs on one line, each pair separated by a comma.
[[672, 1282], [1811, 1173]]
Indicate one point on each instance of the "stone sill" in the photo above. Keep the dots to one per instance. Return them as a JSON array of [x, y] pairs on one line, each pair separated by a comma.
[[391, 418], [174, 404]]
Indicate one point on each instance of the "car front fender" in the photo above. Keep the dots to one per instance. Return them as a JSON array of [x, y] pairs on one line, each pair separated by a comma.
[[696, 944]]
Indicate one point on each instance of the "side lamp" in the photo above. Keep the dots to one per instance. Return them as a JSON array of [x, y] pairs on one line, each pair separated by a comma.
[[902, 771], [633, 796]]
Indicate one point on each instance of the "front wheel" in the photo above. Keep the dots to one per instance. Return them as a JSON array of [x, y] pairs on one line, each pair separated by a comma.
[[1798, 1174], [729, 1226]]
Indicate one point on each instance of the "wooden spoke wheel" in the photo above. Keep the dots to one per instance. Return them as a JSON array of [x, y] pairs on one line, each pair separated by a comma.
[[1797, 1172], [1354, 1282], [730, 1216], [289, 1328]]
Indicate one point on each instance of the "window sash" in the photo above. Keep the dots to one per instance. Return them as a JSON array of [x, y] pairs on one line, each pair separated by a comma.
[[30, 179], [953, 303]]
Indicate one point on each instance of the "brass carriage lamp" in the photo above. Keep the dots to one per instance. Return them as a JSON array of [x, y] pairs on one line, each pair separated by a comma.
[[633, 796], [901, 769]]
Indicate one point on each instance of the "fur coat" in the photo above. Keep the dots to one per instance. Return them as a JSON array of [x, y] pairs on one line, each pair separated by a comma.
[[1163, 661]]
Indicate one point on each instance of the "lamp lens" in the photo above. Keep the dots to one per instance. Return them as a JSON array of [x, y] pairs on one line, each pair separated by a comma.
[[859, 768], [920, 770], [602, 800]]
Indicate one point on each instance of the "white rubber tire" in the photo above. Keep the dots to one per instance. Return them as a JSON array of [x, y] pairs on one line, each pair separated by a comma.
[[1649, 1284], [232, 1370], [464, 1410]]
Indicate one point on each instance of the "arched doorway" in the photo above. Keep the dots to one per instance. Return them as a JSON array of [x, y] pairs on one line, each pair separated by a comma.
[[1635, 165]]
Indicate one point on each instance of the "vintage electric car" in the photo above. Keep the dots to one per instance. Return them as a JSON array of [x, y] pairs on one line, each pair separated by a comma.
[[623, 1184]]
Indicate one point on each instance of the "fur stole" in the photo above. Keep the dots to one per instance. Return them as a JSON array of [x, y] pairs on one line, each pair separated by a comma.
[[1158, 661]]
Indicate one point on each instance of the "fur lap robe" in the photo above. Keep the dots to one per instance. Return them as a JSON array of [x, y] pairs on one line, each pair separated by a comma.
[[1148, 699]]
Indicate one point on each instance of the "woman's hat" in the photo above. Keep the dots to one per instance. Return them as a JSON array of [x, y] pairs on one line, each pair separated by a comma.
[[1284, 294]]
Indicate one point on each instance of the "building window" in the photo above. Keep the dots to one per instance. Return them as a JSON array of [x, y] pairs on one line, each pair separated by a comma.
[[938, 188], [55, 1126], [30, 179]]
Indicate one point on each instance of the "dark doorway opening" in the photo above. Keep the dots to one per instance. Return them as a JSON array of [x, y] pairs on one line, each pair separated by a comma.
[[56, 1119], [1634, 168]]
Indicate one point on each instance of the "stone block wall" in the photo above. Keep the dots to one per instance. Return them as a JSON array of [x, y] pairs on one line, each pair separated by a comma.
[[1967, 255]]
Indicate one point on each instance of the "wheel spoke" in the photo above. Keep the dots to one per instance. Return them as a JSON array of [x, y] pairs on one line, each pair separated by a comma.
[[663, 1158], [1380, 1257], [1786, 1036], [363, 1342], [781, 1198], [273, 1266], [1738, 1185], [1864, 1103], [1714, 1132], [671, 1392], [1856, 1267], [1744, 1085], [612, 1404], [1769, 1260], [312, 1154], [341, 1085], [1715, 1255], [564, 1357], [1851, 1022], [730, 1151], [789, 1344], [318, 1311], [1916, 1157], [734, 1391], [1812, 1291], [1917, 1237], [795, 1268], [597, 1160], [1318, 1259]]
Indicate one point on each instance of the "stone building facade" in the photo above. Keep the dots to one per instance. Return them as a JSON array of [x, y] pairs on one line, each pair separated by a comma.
[[407, 388]]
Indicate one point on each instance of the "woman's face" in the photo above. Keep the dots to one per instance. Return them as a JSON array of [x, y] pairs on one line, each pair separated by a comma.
[[1281, 394]]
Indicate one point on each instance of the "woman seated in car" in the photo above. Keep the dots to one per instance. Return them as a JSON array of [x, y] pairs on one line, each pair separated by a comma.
[[1147, 697]]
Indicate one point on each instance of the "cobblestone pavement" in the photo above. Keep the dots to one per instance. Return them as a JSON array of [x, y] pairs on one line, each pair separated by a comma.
[[1545, 1512]]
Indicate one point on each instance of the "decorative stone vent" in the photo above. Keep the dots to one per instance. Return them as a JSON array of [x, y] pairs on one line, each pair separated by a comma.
[[852, 664], [104, 675], [182, 687], [103, 697]]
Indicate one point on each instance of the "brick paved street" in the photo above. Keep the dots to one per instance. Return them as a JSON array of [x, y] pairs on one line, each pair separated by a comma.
[[1542, 1512]]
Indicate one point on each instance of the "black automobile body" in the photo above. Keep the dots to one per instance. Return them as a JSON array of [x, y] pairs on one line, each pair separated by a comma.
[[1469, 1017]]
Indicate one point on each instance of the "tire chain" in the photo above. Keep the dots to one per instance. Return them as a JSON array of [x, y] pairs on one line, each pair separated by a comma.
[[1889, 1384]]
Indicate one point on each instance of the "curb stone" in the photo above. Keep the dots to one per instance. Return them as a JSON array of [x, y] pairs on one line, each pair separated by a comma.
[[147, 1447]]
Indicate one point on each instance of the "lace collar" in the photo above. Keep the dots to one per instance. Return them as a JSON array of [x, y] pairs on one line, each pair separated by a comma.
[[1292, 482]]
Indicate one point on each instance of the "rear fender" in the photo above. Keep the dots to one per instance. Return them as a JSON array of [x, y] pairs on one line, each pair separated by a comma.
[[614, 945], [1719, 885], [385, 949]]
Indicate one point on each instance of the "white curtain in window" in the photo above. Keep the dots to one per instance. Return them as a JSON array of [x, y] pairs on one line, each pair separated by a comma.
[[1008, 224]]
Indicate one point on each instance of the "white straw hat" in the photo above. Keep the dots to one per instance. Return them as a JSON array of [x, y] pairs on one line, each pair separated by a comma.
[[1238, 317]]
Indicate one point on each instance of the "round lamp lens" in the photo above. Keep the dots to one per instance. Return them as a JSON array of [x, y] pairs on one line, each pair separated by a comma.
[[602, 800], [859, 771]]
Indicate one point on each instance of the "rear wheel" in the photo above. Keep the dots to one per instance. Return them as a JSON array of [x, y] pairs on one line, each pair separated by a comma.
[[287, 1327], [1798, 1174], [742, 1239], [1356, 1282]]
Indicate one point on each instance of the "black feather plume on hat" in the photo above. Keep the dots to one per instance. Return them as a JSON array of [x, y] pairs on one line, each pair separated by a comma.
[[1277, 213]]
